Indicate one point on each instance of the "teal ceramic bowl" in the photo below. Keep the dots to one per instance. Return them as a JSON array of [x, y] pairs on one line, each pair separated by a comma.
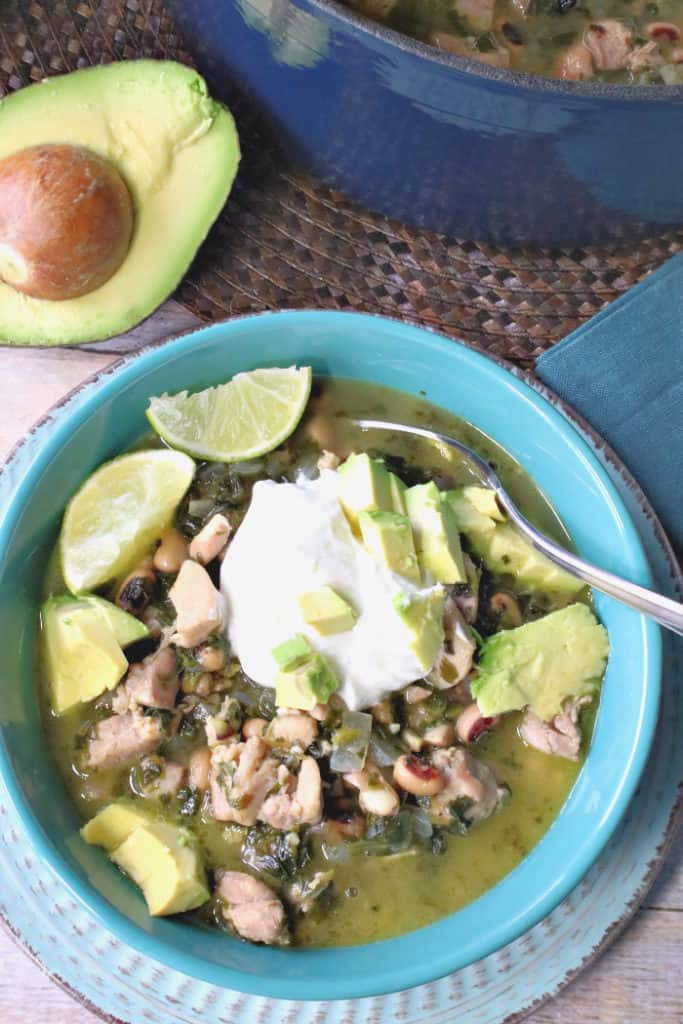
[[107, 416]]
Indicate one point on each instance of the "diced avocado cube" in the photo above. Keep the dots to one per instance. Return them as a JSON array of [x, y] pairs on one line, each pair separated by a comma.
[[505, 551], [423, 617], [306, 685], [398, 491], [389, 538], [435, 529], [469, 519], [112, 825], [326, 611], [364, 485], [542, 663], [163, 860], [485, 501], [83, 658], [292, 652]]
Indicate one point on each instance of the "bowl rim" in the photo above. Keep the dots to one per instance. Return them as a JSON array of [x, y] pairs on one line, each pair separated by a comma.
[[109, 381], [519, 80]]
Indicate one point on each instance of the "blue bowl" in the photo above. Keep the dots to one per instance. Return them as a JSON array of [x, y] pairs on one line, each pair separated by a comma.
[[443, 142], [106, 416]]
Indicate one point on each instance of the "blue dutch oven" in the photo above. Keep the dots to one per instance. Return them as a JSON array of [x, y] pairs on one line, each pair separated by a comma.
[[443, 142]]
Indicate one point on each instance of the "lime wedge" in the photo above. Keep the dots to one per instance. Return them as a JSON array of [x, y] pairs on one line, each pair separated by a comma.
[[250, 415], [117, 515]]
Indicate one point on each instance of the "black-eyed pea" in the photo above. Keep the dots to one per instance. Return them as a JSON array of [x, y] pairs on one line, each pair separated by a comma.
[[293, 728], [417, 777], [198, 768], [136, 591], [211, 658], [172, 551], [442, 735], [505, 605]]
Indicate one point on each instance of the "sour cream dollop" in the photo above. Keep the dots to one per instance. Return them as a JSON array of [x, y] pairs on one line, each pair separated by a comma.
[[295, 538]]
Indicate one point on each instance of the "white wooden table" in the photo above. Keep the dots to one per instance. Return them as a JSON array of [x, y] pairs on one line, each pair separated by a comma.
[[638, 981]]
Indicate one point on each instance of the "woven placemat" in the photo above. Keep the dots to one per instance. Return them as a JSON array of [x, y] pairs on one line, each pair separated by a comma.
[[285, 240]]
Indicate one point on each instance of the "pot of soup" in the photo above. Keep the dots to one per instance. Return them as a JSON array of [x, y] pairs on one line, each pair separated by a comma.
[[519, 122]]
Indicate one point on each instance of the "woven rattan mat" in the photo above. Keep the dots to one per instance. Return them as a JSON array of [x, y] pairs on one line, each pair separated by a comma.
[[285, 240]]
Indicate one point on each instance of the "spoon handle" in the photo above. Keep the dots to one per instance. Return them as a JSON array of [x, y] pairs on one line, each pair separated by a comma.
[[662, 609]]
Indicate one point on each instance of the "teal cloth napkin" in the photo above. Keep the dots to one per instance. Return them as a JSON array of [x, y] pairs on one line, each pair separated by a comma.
[[623, 372]]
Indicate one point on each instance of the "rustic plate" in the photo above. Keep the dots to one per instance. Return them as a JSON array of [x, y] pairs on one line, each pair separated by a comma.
[[69, 944]]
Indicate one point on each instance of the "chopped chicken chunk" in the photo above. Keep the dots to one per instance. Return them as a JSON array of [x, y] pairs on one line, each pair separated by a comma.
[[162, 777], [197, 603], [465, 777], [300, 806], [241, 776], [121, 738], [562, 736], [610, 42], [575, 64], [647, 56], [210, 540], [154, 682], [252, 908]]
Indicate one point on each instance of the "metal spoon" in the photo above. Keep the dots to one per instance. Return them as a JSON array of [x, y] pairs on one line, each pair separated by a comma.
[[662, 609]]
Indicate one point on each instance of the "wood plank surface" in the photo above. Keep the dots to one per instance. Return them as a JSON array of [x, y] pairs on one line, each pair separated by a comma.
[[638, 981]]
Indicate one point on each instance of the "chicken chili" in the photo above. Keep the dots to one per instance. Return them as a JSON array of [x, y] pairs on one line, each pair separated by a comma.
[[621, 41], [345, 676]]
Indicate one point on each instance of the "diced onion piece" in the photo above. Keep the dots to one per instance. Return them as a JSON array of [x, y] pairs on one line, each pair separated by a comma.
[[350, 742]]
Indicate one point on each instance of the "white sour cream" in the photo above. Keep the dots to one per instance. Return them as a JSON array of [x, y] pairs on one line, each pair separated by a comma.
[[295, 538]]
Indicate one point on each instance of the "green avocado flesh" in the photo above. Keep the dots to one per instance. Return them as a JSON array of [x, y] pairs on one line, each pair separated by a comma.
[[504, 550], [83, 641], [542, 663], [176, 149]]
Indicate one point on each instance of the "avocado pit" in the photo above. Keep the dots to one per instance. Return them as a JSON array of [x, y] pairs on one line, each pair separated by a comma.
[[66, 221]]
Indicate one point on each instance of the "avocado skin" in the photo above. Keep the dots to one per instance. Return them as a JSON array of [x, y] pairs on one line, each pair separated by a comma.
[[177, 150]]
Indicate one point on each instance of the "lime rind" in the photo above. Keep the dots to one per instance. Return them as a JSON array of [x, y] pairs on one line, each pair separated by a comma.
[[245, 418], [118, 513]]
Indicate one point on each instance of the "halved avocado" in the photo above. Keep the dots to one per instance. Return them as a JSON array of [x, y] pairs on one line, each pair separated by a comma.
[[177, 151]]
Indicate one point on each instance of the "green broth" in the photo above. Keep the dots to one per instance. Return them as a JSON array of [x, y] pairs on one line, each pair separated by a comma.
[[537, 35], [376, 897]]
